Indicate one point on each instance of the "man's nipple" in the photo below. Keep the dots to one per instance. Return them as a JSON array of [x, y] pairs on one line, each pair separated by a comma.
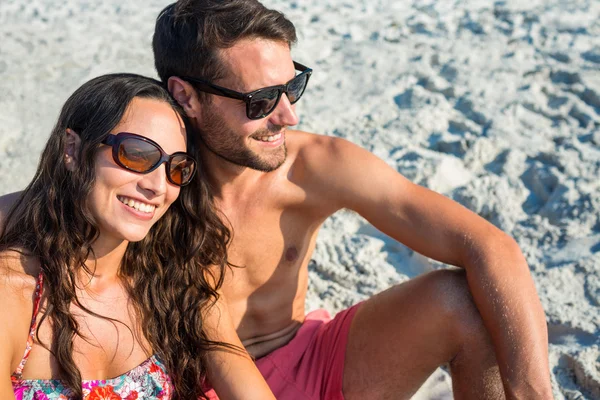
[[291, 254]]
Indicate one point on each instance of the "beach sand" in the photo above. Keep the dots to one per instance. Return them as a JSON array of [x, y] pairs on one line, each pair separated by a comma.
[[493, 104]]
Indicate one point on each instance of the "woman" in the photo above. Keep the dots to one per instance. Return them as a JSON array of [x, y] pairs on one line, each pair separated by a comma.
[[116, 248]]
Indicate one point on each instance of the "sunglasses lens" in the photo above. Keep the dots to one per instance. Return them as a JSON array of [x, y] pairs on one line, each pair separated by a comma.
[[181, 169], [296, 88], [263, 103], [138, 155]]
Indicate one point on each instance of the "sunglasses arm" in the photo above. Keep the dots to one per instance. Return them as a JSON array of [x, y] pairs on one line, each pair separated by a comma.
[[300, 67], [208, 87], [109, 140]]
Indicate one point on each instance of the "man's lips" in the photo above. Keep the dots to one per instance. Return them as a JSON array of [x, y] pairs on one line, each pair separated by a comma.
[[268, 138]]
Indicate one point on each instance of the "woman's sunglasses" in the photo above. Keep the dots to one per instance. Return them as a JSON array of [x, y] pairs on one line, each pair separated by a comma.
[[261, 102], [140, 154]]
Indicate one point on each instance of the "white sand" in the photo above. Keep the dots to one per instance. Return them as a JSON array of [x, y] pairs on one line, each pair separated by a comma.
[[496, 105]]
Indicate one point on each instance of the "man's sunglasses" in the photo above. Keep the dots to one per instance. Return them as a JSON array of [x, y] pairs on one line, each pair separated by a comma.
[[140, 154], [260, 102]]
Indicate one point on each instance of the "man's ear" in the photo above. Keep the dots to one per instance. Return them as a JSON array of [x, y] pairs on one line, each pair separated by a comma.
[[185, 95], [71, 150]]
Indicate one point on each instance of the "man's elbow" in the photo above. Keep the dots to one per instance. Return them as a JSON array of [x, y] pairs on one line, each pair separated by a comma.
[[509, 245], [495, 248]]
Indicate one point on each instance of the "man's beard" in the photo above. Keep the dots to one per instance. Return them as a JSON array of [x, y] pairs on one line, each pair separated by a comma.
[[225, 143]]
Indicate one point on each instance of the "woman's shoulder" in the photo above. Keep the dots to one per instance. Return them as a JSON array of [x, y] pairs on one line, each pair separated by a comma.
[[18, 279]]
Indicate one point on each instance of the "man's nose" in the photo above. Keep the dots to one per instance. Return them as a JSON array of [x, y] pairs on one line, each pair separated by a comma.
[[285, 113]]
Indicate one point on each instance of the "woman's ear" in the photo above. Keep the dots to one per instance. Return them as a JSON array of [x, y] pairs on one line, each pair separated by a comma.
[[71, 150]]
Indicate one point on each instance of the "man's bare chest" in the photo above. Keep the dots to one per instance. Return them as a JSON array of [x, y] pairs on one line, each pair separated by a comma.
[[269, 245]]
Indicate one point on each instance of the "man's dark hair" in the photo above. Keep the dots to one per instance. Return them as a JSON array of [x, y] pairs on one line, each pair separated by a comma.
[[190, 33]]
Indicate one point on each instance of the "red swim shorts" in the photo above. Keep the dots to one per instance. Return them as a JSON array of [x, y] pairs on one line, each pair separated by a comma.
[[311, 365]]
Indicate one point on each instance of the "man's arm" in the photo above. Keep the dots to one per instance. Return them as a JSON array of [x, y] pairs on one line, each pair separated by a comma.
[[6, 203], [347, 176]]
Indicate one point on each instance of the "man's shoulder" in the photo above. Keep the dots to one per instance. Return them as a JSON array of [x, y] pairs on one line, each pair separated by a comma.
[[323, 164], [311, 148], [299, 140]]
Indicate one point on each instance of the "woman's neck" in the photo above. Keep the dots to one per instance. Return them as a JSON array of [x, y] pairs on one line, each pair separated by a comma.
[[103, 265]]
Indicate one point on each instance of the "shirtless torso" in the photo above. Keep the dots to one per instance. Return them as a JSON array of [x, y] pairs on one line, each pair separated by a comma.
[[275, 223]]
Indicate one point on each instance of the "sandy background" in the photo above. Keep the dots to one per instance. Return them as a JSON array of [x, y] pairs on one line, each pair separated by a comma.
[[494, 104]]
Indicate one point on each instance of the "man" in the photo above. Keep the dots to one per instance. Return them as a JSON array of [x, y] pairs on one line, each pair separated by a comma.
[[275, 186], [228, 64]]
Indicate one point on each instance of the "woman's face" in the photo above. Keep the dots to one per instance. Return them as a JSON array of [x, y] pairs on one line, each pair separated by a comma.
[[126, 204]]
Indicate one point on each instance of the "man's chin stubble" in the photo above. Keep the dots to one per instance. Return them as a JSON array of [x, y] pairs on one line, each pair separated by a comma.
[[241, 155], [251, 160]]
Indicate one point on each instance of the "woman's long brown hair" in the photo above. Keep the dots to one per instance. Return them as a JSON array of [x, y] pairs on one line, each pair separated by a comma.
[[170, 275]]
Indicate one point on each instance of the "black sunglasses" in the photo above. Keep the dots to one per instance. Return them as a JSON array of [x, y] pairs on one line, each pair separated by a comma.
[[140, 154], [260, 102]]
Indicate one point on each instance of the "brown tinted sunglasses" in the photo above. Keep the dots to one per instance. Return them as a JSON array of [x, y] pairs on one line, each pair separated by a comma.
[[142, 155]]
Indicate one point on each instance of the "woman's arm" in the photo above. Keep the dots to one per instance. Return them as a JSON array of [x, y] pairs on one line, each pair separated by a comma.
[[6, 390], [233, 374], [14, 289], [6, 352]]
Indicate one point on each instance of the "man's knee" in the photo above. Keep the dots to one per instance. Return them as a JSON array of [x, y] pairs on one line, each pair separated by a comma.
[[455, 302]]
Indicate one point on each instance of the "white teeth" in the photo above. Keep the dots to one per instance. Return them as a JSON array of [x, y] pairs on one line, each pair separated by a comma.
[[269, 138], [143, 207]]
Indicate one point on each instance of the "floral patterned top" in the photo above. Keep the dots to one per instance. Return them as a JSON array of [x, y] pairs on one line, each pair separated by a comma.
[[149, 380]]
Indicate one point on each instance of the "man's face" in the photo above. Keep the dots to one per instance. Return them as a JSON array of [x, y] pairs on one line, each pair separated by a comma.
[[223, 124]]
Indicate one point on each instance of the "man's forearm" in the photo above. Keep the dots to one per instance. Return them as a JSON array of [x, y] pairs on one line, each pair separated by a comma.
[[504, 292]]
